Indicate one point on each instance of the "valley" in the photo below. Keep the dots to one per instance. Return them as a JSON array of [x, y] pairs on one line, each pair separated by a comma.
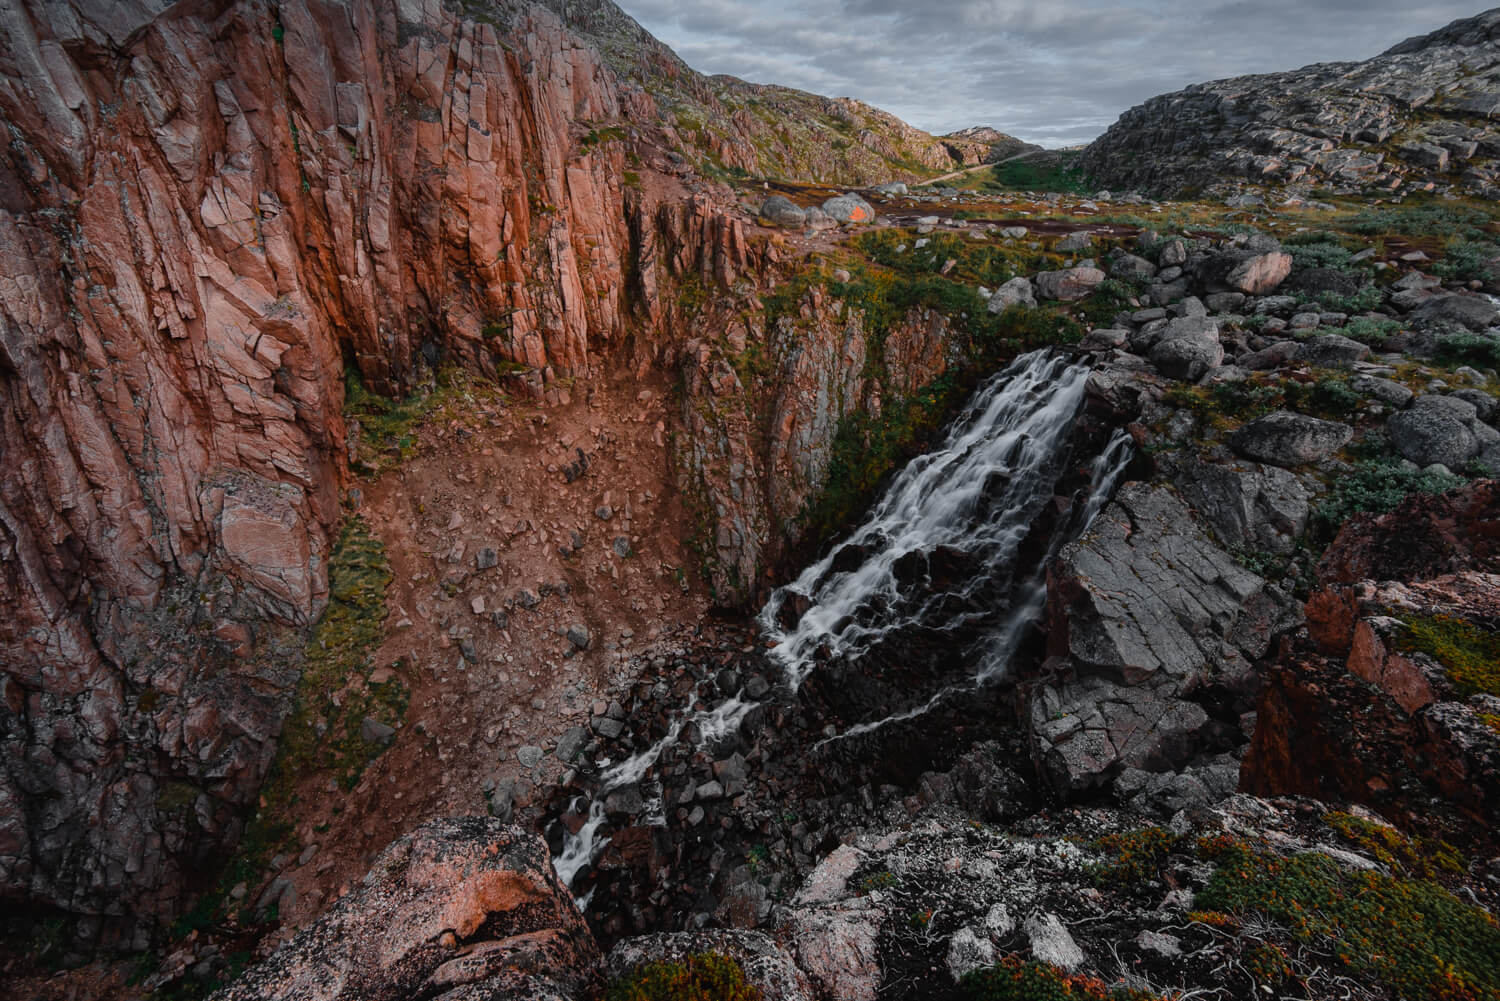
[[489, 512]]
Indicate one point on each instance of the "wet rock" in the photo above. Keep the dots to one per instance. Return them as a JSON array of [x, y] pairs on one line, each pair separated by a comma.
[[571, 744], [1247, 505], [1284, 438]]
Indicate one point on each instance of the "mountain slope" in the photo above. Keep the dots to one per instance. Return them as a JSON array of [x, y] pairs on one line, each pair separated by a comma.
[[759, 129], [1417, 117]]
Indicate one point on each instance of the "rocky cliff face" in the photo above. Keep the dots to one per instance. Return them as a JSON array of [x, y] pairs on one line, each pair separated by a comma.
[[208, 211], [1416, 117]]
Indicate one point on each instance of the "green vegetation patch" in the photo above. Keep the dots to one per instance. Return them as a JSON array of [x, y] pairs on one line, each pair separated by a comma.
[[1017, 979], [1419, 857], [388, 427], [1470, 653], [1414, 936], [1135, 857], [1052, 173], [1377, 487], [703, 976], [1467, 348], [1468, 220]]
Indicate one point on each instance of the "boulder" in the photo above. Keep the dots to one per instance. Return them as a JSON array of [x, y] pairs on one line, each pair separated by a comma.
[[1249, 505], [1452, 310], [780, 211], [1069, 284], [1256, 274], [849, 208], [1132, 268], [1016, 292], [1188, 348], [1081, 240], [1332, 351], [1290, 439], [1436, 429]]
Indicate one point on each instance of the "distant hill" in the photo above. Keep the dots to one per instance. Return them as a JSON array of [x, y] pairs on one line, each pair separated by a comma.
[[1418, 117]]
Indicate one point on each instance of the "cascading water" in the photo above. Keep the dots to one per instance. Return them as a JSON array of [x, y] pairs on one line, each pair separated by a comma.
[[977, 495], [976, 498]]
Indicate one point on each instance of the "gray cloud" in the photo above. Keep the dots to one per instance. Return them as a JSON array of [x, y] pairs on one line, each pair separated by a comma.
[[1054, 72]]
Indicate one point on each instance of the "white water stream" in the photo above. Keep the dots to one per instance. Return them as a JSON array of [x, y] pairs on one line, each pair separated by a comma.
[[977, 493]]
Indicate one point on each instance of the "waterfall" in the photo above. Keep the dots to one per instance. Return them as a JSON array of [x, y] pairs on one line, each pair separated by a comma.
[[977, 497]]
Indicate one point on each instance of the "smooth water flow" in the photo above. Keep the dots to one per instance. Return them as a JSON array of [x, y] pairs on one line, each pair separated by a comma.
[[976, 495]]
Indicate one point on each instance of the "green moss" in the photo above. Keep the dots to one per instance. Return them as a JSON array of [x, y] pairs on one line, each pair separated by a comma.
[[332, 700], [1419, 857], [1414, 936], [1470, 654], [1018, 979], [704, 976]]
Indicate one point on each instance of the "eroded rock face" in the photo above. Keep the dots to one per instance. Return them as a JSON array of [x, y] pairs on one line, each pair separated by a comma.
[[206, 212], [462, 907], [1353, 710]]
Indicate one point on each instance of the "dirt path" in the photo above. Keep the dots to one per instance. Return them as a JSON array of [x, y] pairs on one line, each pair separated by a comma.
[[978, 166]]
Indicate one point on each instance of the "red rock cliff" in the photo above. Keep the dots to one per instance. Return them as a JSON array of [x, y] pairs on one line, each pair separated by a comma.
[[206, 209]]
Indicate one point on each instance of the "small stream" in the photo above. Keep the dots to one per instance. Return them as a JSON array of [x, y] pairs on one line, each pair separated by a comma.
[[953, 556]]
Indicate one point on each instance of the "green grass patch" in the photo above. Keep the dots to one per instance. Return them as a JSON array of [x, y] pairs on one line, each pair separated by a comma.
[[1418, 857], [1470, 654], [1376, 487], [1414, 936], [1055, 173], [1017, 979], [1468, 348], [703, 976], [1468, 220]]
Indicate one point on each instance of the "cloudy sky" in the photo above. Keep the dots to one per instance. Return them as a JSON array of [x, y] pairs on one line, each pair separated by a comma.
[[1053, 72]]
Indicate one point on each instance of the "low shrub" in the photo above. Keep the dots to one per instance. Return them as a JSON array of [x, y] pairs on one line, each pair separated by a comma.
[[1017, 979], [1376, 487], [703, 976]]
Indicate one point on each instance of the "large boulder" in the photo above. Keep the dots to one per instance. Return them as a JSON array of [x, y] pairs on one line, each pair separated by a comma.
[[1250, 272], [1442, 429], [1143, 611], [1332, 351], [781, 211], [1016, 292], [1290, 439], [1468, 311], [461, 904], [1188, 348], [849, 208], [1069, 284]]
